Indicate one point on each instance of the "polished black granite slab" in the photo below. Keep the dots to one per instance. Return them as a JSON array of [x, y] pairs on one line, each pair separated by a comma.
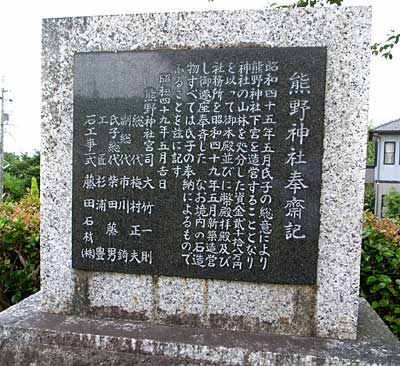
[[199, 163]]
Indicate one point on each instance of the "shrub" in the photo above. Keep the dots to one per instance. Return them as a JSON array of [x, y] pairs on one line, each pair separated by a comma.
[[24, 167], [369, 197], [380, 268], [34, 187], [19, 249], [14, 187], [392, 208]]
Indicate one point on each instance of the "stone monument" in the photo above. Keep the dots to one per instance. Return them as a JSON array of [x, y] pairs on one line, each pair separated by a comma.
[[202, 192]]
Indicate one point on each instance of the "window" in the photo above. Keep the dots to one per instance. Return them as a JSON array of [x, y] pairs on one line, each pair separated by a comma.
[[389, 153]]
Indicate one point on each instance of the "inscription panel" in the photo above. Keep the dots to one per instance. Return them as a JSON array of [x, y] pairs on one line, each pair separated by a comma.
[[199, 163]]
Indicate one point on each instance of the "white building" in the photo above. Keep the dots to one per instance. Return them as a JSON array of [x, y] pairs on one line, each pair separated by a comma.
[[386, 174]]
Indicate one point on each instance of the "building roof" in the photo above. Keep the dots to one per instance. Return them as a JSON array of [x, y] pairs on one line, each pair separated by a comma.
[[392, 126]]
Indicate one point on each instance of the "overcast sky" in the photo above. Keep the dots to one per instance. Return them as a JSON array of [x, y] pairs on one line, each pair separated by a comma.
[[20, 40]]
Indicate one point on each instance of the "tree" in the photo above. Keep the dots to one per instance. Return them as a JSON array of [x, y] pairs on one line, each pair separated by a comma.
[[34, 187]]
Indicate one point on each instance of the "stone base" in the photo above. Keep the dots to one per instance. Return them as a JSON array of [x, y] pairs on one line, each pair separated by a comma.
[[29, 337]]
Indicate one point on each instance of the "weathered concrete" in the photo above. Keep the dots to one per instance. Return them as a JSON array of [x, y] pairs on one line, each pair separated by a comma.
[[29, 337], [326, 310]]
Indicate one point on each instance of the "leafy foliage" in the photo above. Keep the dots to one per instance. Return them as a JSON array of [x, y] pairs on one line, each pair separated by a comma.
[[18, 174], [14, 187], [371, 146], [380, 268], [34, 187], [385, 48], [19, 249], [392, 208], [311, 3], [369, 197]]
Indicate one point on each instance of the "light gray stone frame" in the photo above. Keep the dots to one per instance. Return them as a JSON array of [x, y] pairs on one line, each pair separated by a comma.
[[328, 309]]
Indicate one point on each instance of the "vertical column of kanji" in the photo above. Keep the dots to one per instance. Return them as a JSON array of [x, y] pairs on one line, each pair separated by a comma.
[[268, 121], [177, 134], [151, 160], [164, 122], [88, 251], [138, 231], [116, 158], [211, 96], [220, 142], [233, 171], [205, 208], [299, 89], [247, 149], [184, 140], [205, 205], [160, 151], [162, 131], [199, 106]]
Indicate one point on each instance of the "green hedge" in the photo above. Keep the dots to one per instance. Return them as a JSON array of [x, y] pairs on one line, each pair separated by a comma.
[[380, 268], [19, 249]]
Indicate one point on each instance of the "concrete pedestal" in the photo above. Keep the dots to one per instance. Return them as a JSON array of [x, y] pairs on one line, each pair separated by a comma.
[[30, 337]]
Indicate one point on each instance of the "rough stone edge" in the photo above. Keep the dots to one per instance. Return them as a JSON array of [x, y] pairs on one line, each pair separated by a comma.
[[326, 326], [25, 332], [338, 287]]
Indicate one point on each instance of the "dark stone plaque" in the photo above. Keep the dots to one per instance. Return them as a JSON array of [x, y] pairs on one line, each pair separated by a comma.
[[199, 163]]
